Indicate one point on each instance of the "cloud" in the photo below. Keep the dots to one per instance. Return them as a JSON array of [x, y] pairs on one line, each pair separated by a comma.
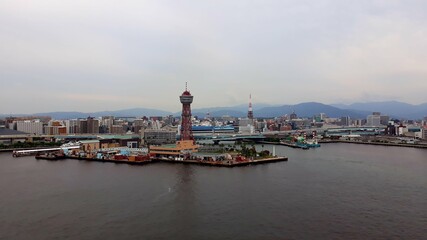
[[88, 55]]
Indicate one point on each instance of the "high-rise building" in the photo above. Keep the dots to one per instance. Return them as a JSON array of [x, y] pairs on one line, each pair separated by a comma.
[[345, 121], [139, 124], [117, 129], [384, 120], [106, 123], [186, 130], [92, 125], [89, 125], [30, 126], [55, 127], [72, 126], [374, 120]]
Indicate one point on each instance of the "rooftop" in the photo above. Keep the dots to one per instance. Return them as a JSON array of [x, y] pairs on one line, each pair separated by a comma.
[[168, 146], [7, 131], [89, 141], [130, 136]]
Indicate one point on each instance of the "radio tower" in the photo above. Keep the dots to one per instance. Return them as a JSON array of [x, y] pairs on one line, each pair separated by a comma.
[[186, 100], [250, 112]]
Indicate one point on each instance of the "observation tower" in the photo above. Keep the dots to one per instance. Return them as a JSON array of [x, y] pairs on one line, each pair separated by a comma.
[[186, 100], [250, 111]]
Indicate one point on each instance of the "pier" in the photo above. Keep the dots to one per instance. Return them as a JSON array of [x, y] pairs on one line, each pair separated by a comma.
[[224, 163], [227, 163], [30, 152]]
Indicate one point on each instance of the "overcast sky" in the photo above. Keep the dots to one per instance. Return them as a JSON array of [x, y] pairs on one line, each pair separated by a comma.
[[82, 55]]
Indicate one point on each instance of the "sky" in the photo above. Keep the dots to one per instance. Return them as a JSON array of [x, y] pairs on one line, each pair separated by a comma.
[[94, 55]]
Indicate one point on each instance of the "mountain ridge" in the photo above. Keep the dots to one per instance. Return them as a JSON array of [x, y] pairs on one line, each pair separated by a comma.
[[306, 109], [392, 108]]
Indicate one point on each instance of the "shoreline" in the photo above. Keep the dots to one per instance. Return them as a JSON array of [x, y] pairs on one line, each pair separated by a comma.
[[378, 143], [421, 146], [194, 162]]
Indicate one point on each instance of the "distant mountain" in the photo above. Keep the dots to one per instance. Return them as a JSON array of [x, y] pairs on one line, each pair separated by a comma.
[[235, 111], [133, 112], [308, 109], [260, 110], [391, 108], [221, 113]]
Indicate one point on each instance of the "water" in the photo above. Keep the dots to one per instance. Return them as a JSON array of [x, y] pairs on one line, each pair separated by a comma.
[[339, 191]]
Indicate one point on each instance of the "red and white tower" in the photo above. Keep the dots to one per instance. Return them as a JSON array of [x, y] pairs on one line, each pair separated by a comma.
[[250, 112], [186, 100]]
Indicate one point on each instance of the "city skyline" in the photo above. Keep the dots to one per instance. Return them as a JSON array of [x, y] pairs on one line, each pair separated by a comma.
[[94, 56]]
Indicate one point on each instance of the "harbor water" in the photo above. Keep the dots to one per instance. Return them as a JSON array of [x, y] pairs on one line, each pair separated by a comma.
[[337, 191]]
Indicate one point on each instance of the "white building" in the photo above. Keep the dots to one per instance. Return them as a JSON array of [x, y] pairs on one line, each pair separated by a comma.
[[30, 126], [373, 121], [72, 126], [425, 133], [246, 126]]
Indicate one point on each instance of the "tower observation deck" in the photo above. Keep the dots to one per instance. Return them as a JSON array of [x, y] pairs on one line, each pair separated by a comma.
[[186, 99]]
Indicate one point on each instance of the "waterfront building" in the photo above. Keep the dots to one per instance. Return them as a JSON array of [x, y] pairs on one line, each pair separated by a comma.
[[425, 132], [89, 145], [129, 140], [30, 126], [157, 137], [180, 148], [415, 132], [7, 139], [390, 130], [401, 130]]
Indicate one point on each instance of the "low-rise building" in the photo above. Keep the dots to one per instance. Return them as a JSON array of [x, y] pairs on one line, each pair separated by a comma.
[[89, 145], [180, 148], [157, 137]]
